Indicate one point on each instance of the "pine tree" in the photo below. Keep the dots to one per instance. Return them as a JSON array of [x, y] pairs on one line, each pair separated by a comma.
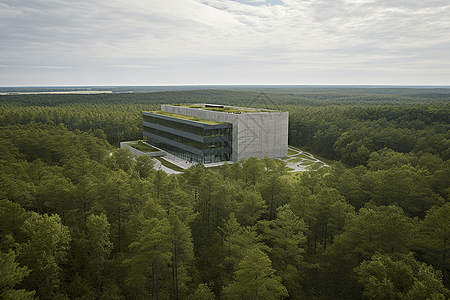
[[255, 279]]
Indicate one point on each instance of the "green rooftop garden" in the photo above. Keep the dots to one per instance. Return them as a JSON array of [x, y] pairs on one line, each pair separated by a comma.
[[142, 147], [196, 119]]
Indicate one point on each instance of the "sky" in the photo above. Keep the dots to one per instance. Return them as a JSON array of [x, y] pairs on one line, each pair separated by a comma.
[[200, 42]]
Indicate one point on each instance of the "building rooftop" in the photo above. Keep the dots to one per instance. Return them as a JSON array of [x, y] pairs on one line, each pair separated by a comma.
[[226, 108], [195, 119]]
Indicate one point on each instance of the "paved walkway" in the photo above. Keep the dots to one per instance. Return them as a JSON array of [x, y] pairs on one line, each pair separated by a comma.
[[300, 164]]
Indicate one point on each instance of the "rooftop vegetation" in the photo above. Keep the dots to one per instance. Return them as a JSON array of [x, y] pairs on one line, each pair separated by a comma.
[[195, 119], [142, 147]]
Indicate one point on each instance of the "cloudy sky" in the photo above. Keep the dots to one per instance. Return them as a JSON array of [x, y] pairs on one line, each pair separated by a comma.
[[170, 42]]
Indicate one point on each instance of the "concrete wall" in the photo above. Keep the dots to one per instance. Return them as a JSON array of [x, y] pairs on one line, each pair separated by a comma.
[[256, 134]]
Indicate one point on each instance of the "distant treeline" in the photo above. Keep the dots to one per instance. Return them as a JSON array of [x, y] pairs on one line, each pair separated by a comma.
[[346, 125], [82, 219]]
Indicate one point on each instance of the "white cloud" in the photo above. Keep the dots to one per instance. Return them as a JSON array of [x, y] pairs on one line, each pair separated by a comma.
[[166, 36]]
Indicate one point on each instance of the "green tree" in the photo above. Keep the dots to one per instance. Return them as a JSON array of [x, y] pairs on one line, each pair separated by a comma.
[[99, 245], [253, 169], [237, 240], [144, 166], [250, 207], [12, 275], [405, 185], [182, 254], [385, 229], [116, 200], [275, 189], [286, 235], [287, 240], [386, 277], [12, 216], [122, 158], [255, 279], [435, 237], [151, 253], [203, 292], [45, 249]]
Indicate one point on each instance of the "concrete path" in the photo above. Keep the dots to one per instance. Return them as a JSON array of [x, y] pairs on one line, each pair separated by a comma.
[[300, 164]]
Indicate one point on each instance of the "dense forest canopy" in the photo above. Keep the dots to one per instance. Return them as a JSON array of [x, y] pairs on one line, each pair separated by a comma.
[[82, 219]]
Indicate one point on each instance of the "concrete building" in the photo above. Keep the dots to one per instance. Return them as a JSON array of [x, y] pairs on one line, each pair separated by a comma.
[[210, 133]]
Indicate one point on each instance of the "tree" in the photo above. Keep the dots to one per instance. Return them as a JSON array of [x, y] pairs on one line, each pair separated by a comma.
[[405, 185], [182, 253], [151, 253], [45, 249], [237, 240], [286, 237], [275, 189], [386, 277], [253, 170], [203, 292], [385, 229], [160, 183], [10, 276], [330, 211], [435, 237], [115, 197], [144, 166], [255, 279], [122, 159], [12, 216], [99, 245], [250, 207]]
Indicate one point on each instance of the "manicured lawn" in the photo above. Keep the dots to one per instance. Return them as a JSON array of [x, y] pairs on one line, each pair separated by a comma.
[[301, 156], [325, 160], [296, 159], [291, 152]]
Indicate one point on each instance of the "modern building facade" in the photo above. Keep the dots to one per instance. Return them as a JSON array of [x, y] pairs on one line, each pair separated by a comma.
[[210, 133]]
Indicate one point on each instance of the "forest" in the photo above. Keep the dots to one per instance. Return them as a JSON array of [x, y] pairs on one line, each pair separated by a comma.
[[83, 219]]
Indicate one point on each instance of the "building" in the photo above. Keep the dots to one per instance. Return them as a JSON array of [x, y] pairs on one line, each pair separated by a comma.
[[211, 133]]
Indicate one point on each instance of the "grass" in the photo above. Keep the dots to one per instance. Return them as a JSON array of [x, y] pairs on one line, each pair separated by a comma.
[[291, 152], [169, 165], [303, 156], [315, 166], [298, 159], [195, 119], [143, 147], [325, 160], [307, 163]]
